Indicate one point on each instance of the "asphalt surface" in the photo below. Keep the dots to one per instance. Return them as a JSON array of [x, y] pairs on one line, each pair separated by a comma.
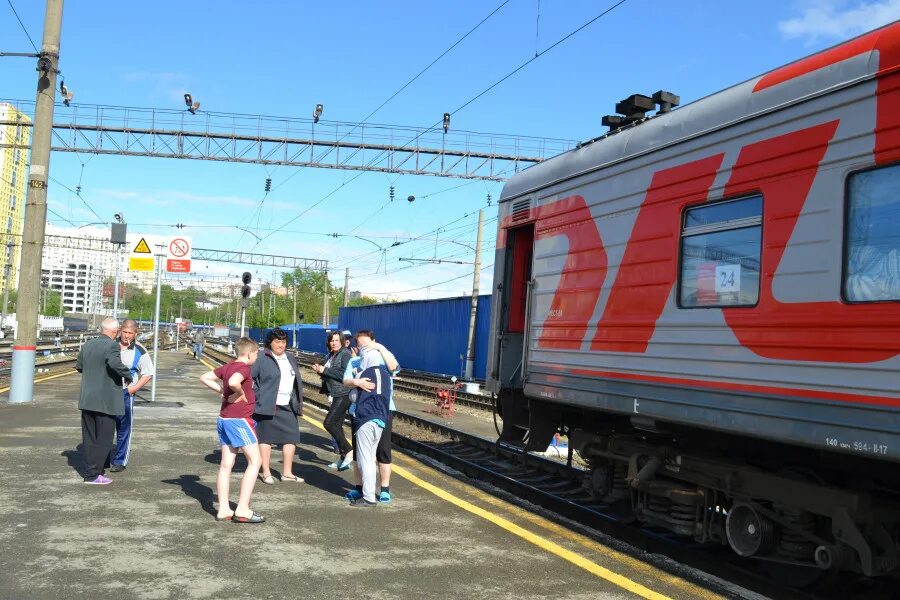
[[151, 534]]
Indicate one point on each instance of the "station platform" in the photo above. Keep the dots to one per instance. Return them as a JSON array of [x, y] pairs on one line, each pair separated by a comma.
[[152, 533]]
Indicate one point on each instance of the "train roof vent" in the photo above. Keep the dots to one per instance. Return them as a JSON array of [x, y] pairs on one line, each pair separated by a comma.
[[633, 109], [520, 209]]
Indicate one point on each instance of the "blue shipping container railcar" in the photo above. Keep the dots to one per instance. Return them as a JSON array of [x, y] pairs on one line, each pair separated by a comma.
[[426, 335]]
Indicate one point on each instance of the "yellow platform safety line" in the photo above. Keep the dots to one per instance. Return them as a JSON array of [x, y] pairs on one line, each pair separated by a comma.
[[49, 377], [586, 542], [210, 365], [533, 538]]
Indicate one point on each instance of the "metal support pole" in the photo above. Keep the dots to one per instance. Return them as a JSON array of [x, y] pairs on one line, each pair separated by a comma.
[[159, 259], [476, 276], [7, 270], [178, 326], [243, 321], [346, 286], [325, 302], [294, 317], [116, 284], [22, 379]]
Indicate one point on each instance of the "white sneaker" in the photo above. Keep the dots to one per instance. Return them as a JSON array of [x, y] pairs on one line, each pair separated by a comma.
[[345, 464]]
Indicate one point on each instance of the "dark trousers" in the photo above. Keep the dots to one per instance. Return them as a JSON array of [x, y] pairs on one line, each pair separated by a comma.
[[334, 423], [97, 431]]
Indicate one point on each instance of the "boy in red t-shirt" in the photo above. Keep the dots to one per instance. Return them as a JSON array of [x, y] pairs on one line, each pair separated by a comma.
[[236, 430]]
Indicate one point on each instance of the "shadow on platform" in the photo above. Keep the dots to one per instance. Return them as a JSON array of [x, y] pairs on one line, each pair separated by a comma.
[[191, 486]]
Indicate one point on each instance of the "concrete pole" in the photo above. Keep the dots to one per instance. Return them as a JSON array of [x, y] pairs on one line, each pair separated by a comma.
[[22, 380], [243, 321], [476, 276], [346, 286], [116, 285], [159, 259]]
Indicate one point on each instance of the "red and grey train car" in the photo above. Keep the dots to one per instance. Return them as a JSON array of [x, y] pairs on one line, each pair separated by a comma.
[[708, 301]]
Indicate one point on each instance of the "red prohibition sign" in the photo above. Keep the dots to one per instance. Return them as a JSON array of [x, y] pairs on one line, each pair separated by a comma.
[[179, 247]]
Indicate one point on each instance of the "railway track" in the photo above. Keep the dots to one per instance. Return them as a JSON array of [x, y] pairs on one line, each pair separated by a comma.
[[555, 487], [417, 383], [55, 365]]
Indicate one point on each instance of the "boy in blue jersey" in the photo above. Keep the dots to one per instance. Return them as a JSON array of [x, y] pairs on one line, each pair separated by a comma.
[[372, 415], [371, 354]]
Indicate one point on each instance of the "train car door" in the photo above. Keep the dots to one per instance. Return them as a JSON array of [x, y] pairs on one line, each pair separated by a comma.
[[514, 315]]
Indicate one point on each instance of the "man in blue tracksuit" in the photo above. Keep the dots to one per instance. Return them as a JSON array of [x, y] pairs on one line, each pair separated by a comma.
[[137, 359], [372, 416]]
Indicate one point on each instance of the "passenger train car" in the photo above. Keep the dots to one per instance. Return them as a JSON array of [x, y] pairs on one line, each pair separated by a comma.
[[707, 300]]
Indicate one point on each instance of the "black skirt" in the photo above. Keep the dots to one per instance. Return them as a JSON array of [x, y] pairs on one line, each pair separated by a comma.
[[280, 428]]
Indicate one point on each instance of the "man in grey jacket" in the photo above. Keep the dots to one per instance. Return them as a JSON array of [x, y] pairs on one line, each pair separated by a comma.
[[102, 373]]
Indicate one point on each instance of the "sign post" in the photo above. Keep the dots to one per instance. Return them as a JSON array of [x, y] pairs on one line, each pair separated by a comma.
[[156, 319], [178, 255], [140, 258]]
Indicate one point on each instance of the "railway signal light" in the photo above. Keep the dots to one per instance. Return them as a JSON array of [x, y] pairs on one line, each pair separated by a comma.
[[66, 93], [317, 113], [245, 290], [446, 122], [192, 107]]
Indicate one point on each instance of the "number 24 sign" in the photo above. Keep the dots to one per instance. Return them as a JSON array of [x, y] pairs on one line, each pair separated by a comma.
[[728, 278]]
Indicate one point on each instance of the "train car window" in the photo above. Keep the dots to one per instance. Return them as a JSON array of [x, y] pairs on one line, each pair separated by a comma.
[[720, 253], [872, 260]]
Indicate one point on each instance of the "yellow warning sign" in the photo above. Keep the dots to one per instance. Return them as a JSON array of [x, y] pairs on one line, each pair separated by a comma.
[[142, 247], [141, 264]]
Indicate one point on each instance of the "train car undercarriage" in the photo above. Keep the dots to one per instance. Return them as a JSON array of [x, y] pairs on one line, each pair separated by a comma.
[[823, 511]]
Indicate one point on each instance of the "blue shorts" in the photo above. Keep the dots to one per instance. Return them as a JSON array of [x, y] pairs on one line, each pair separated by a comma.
[[236, 432]]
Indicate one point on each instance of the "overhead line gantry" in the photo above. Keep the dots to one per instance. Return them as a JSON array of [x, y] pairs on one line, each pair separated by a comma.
[[241, 138]]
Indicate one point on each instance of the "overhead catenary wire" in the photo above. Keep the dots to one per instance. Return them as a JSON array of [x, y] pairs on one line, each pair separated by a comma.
[[430, 285], [491, 87], [382, 105], [78, 194], [365, 265], [508, 75], [411, 81], [28, 35], [351, 260], [51, 211], [537, 55]]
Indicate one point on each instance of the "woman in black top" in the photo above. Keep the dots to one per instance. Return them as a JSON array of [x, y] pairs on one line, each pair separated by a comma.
[[332, 373], [279, 401]]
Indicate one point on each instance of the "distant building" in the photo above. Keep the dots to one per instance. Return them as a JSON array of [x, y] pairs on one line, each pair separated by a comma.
[[13, 175], [207, 305], [81, 286], [109, 290], [91, 246]]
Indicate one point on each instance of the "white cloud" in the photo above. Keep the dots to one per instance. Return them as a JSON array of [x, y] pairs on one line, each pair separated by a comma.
[[839, 20]]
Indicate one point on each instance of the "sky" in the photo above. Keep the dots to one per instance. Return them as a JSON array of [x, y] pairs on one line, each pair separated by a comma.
[[282, 58]]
